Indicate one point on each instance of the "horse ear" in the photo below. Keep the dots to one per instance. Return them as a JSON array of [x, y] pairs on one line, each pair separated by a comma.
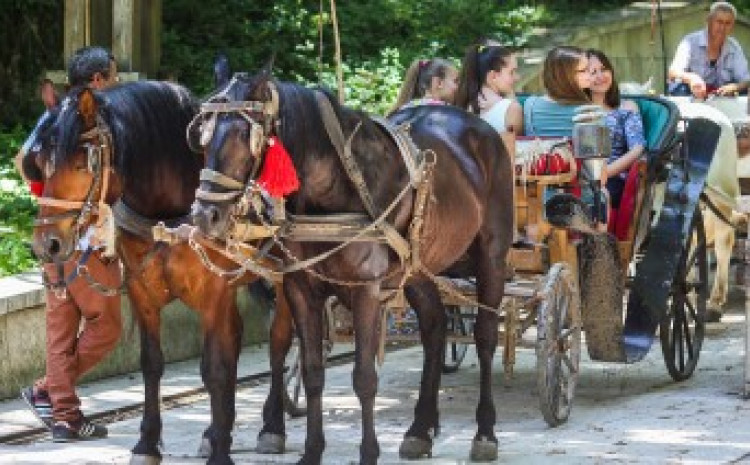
[[222, 71], [87, 108], [267, 70]]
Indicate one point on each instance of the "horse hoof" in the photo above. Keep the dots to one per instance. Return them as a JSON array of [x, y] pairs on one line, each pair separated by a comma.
[[483, 450], [204, 450], [144, 460], [270, 443], [413, 448]]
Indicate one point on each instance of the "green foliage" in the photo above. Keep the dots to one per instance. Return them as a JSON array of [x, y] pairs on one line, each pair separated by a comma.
[[372, 85], [31, 34], [17, 209], [379, 38]]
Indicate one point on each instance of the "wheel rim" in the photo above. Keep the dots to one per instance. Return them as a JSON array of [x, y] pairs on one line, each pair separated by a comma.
[[293, 393], [683, 328], [559, 347], [458, 324]]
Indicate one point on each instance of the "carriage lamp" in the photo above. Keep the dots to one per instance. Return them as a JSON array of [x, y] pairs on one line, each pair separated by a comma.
[[592, 144]]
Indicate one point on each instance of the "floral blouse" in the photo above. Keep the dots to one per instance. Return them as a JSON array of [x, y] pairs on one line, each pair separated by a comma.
[[626, 127]]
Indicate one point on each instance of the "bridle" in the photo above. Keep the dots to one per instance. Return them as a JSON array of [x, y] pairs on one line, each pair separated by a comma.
[[262, 117], [99, 157]]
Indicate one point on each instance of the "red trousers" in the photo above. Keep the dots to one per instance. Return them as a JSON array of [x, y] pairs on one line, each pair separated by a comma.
[[74, 348]]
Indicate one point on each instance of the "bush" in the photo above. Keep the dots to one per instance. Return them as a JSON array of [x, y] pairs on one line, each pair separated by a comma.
[[371, 85], [17, 209]]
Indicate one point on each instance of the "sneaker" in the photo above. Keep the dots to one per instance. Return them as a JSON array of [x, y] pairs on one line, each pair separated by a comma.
[[39, 403], [69, 431], [713, 316]]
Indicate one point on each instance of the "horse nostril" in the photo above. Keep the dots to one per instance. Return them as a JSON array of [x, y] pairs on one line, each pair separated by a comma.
[[213, 215], [54, 246]]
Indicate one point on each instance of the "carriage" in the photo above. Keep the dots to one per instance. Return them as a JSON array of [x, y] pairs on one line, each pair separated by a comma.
[[557, 289]]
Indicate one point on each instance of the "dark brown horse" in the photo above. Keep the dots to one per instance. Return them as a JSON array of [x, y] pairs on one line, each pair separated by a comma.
[[128, 143], [469, 211]]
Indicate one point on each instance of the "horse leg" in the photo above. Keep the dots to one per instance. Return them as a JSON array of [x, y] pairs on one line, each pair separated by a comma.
[[425, 299], [723, 245], [307, 305], [146, 451], [272, 438], [367, 320], [490, 289], [222, 329]]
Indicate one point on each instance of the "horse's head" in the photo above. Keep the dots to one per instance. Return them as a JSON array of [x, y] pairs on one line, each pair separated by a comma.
[[233, 126], [75, 156]]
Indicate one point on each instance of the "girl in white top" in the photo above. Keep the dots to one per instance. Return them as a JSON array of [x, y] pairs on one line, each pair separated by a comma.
[[428, 82], [489, 73]]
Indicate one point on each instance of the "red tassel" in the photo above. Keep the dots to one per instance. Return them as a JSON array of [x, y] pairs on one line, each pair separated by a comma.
[[278, 175], [36, 188]]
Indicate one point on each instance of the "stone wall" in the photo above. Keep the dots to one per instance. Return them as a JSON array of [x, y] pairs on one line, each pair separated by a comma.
[[22, 333]]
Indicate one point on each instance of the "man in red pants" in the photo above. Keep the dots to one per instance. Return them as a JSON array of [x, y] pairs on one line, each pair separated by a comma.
[[71, 353]]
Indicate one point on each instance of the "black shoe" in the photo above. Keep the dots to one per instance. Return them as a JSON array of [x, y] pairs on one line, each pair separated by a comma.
[[713, 316], [64, 431], [39, 403]]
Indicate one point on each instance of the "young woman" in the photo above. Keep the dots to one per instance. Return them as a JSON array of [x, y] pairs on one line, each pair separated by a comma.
[[489, 73], [623, 120], [428, 82], [565, 77]]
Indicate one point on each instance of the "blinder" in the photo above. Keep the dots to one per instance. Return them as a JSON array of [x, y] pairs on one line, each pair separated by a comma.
[[259, 115]]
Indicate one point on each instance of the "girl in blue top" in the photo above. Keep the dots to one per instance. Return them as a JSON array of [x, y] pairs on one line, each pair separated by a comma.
[[565, 77], [623, 120]]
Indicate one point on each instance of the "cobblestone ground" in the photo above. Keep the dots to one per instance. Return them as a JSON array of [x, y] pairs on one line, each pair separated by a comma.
[[621, 414]]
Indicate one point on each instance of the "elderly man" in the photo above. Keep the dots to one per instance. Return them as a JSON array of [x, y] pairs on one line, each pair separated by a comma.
[[710, 60]]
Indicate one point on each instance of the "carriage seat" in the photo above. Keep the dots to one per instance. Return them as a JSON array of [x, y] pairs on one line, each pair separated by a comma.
[[660, 118]]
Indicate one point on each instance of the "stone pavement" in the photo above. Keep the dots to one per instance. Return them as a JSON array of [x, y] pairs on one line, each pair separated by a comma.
[[621, 414]]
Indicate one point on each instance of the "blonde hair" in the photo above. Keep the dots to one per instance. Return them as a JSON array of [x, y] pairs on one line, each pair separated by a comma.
[[559, 75], [418, 79]]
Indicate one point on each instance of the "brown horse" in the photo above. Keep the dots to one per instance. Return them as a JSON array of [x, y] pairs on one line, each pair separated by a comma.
[[127, 144], [468, 211]]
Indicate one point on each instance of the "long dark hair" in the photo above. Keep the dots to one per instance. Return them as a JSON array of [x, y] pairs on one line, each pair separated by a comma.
[[478, 61], [418, 79], [559, 75], [612, 97]]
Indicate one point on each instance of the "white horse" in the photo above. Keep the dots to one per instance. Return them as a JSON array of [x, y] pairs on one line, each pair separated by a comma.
[[722, 186]]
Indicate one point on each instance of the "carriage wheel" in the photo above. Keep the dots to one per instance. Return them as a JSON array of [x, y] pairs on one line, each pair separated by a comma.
[[294, 403], [558, 348], [460, 323], [294, 389], [683, 327]]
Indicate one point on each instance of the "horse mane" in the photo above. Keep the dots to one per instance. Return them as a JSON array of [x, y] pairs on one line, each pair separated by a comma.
[[147, 120], [303, 133]]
